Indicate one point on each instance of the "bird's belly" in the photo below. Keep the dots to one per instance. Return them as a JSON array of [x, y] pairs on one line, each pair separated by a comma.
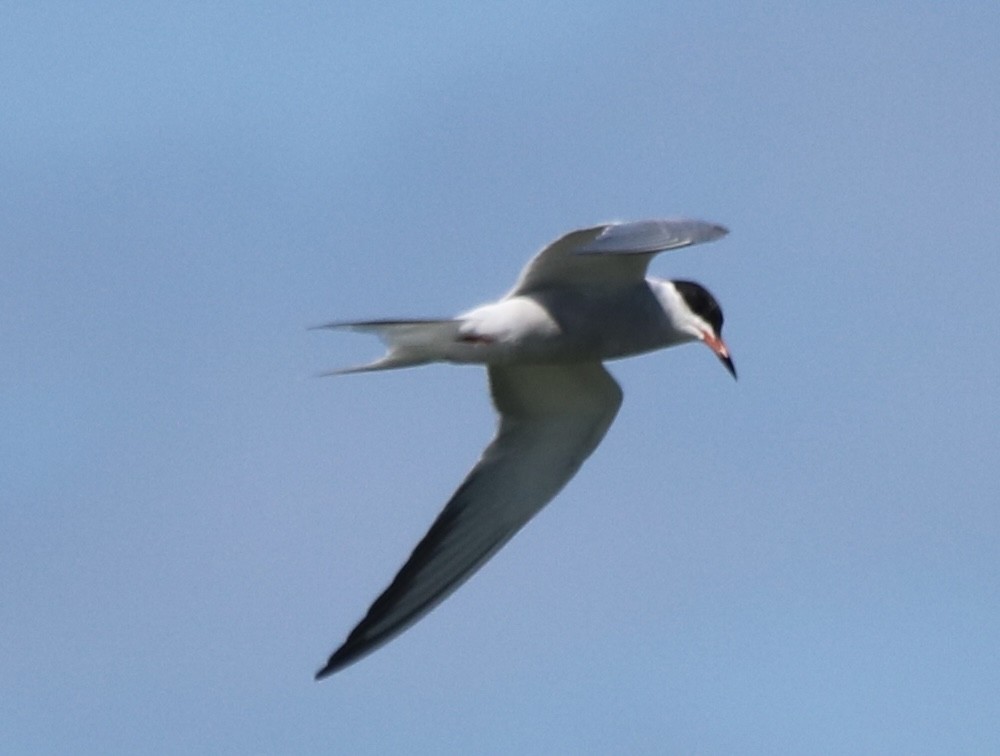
[[557, 327]]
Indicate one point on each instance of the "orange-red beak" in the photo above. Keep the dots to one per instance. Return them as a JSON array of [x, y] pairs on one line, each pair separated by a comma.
[[717, 345]]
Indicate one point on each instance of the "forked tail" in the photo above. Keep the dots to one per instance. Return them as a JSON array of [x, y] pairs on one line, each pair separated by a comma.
[[410, 342]]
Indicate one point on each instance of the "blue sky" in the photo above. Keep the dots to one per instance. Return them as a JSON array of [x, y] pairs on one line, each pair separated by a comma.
[[801, 562]]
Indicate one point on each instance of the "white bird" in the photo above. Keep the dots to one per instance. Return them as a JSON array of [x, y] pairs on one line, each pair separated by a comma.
[[583, 299]]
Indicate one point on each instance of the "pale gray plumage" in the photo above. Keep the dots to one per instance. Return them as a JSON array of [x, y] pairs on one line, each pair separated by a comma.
[[579, 301]]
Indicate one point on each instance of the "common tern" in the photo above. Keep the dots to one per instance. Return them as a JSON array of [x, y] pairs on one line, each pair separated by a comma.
[[583, 299]]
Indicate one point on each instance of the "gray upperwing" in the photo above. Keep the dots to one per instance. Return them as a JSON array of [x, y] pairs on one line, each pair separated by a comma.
[[610, 254], [551, 418]]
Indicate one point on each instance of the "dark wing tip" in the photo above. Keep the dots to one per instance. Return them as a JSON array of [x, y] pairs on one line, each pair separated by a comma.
[[332, 665], [346, 655], [358, 644], [324, 673]]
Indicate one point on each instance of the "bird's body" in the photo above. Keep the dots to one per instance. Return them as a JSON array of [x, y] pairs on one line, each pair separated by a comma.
[[582, 300]]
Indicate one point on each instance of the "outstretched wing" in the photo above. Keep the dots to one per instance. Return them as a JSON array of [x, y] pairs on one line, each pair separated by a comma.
[[551, 418], [610, 254]]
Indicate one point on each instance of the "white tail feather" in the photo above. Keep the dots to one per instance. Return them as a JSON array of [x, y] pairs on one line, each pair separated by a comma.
[[410, 342]]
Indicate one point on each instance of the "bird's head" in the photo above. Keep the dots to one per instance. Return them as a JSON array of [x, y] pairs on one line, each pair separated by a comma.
[[701, 318]]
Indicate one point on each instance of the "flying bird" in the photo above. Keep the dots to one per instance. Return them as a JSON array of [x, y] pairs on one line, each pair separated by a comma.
[[585, 298]]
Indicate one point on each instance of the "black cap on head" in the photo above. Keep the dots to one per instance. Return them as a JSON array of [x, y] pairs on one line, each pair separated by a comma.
[[702, 303]]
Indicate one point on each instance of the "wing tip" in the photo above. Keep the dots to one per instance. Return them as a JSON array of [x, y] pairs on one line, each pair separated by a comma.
[[651, 236], [337, 661], [356, 647], [324, 673]]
